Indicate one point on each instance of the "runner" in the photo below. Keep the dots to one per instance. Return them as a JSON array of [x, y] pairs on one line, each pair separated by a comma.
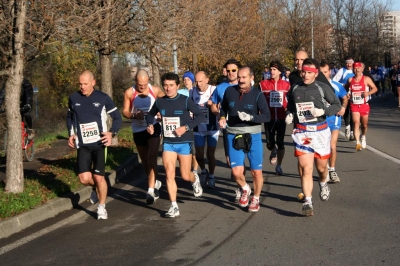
[[178, 138], [360, 90], [342, 76], [275, 90], [188, 81], [334, 121], [86, 122], [208, 130], [246, 111], [138, 100], [311, 136]]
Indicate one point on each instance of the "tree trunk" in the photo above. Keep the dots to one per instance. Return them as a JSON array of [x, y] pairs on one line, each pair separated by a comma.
[[15, 169], [155, 66], [106, 74]]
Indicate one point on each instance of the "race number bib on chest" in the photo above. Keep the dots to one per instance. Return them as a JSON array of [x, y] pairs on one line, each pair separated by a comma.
[[89, 132], [357, 98], [304, 112], [170, 124], [206, 114], [276, 99]]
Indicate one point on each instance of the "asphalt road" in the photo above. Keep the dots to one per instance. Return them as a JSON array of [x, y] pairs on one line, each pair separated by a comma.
[[358, 225]]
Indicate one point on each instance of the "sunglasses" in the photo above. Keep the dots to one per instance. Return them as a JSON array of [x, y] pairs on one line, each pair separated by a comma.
[[231, 70]]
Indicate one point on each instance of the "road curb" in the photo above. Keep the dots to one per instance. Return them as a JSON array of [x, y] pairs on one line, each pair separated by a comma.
[[54, 207]]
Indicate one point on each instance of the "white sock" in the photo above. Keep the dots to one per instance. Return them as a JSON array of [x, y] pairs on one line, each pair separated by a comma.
[[151, 190], [173, 203], [257, 198], [309, 199], [322, 184], [245, 187], [102, 206], [331, 169]]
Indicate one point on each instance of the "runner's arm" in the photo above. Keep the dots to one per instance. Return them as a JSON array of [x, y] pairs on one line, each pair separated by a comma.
[[370, 84], [126, 107], [338, 75], [150, 116], [197, 114], [112, 111], [334, 102], [263, 115]]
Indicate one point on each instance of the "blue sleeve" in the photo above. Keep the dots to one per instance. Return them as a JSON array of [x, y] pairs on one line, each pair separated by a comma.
[[342, 91], [115, 115], [214, 98]]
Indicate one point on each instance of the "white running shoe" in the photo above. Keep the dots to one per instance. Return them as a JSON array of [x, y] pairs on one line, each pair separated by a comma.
[[102, 213], [347, 132], [172, 212], [324, 193], [238, 194], [308, 209], [93, 197], [333, 176], [197, 189], [363, 142]]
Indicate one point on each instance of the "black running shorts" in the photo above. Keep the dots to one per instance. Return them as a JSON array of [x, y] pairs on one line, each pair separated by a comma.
[[88, 155]]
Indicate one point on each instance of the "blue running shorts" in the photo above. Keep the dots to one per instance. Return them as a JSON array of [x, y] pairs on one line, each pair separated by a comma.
[[212, 139], [334, 122], [179, 148], [255, 155]]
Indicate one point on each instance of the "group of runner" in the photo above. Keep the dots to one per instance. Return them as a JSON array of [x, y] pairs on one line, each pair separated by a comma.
[[186, 119]]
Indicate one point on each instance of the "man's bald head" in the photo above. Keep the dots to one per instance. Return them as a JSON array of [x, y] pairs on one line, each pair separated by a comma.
[[202, 80], [142, 80], [87, 73], [299, 58]]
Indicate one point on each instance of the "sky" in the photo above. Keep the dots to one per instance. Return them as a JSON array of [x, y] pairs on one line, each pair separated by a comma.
[[396, 6]]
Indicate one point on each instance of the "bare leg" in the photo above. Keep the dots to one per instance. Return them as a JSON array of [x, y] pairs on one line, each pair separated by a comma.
[[169, 160]]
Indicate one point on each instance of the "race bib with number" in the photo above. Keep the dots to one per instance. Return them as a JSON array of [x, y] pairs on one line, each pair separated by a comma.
[[170, 124], [276, 99], [304, 112], [205, 112], [357, 98], [89, 132]]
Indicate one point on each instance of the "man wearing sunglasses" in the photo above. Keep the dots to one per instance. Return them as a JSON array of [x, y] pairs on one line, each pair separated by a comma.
[[232, 66], [247, 108]]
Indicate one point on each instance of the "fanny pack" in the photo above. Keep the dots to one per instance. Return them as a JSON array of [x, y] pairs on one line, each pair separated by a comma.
[[242, 142]]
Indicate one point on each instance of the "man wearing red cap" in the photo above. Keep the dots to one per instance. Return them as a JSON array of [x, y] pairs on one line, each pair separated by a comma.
[[275, 90], [307, 108], [360, 89]]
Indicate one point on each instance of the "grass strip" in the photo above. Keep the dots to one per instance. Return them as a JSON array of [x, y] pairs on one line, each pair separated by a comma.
[[59, 178]]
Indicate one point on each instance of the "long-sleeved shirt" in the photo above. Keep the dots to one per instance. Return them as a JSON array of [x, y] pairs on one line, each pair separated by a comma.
[[301, 95], [252, 102], [87, 115], [175, 112]]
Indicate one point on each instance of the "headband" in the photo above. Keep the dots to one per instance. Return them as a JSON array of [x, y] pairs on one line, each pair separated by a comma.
[[350, 61], [310, 69], [357, 64]]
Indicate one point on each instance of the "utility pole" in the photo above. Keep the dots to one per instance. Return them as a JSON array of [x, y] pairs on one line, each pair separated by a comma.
[[175, 52]]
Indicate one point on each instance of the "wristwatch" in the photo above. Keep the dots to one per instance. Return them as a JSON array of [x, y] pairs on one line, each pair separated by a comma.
[[187, 128]]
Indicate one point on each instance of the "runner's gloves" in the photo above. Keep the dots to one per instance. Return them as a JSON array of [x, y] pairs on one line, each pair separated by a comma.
[[245, 117], [316, 112], [289, 119]]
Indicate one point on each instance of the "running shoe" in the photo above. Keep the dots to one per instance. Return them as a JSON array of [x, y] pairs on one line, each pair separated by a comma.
[[308, 209], [238, 194], [358, 146], [333, 177], [347, 132], [272, 157], [31, 134], [352, 136], [324, 192], [244, 199], [254, 205], [278, 170], [197, 189], [204, 178], [93, 197], [363, 142], [211, 183], [101, 213], [172, 212]]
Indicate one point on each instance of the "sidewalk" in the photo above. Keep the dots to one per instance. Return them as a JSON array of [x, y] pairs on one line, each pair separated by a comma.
[[52, 208]]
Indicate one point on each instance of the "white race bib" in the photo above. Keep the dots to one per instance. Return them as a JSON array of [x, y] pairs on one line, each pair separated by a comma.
[[170, 124], [304, 112], [90, 132], [276, 99], [356, 97]]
